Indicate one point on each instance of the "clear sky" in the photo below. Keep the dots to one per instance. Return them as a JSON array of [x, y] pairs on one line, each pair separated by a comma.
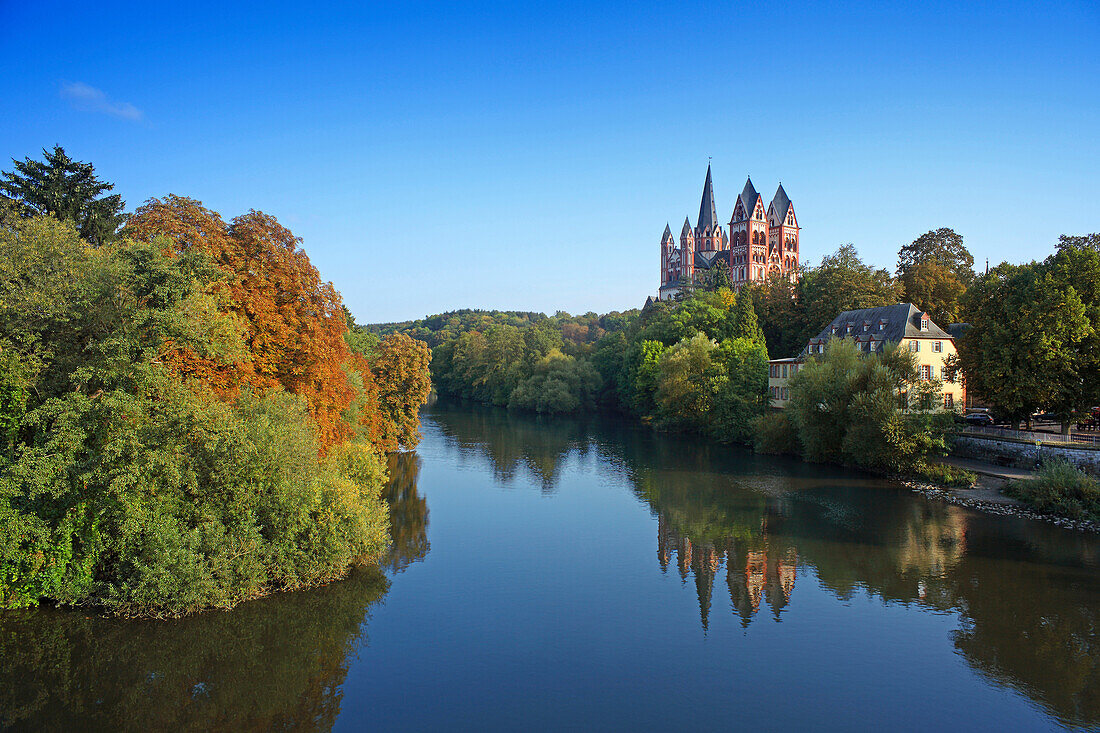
[[528, 155]]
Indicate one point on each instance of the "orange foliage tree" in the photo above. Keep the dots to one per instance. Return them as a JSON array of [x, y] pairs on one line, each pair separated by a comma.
[[293, 322]]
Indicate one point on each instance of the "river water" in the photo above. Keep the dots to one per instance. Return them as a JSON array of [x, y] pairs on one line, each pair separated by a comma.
[[590, 574]]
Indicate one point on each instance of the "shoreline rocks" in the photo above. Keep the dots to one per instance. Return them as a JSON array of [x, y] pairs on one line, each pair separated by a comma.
[[1000, 508]]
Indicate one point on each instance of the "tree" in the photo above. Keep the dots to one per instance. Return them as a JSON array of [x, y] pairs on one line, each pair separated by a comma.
[[1020, 352], [781, 315], [842, 282], [845, 408], [400, 370], [292, 322], [688, 382], [66, 189], [935, 270]]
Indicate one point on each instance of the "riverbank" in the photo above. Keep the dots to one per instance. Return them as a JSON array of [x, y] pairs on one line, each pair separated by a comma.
[[987, 493]]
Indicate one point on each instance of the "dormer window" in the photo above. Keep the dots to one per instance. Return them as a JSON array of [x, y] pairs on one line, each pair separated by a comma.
[[924, 321], [866, 327], [835, 329], [882, 325]]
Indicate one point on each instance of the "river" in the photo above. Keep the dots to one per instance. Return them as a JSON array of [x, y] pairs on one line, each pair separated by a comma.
[[591, 574]]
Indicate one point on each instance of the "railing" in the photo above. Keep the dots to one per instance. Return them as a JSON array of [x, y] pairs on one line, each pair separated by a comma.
[[1031, 436]]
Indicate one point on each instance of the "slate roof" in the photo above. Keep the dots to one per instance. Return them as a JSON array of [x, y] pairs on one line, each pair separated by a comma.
[[901, 321], [707, 215], [667, 235], [748, 198], [687, 228], [780, 202], [708, 259]]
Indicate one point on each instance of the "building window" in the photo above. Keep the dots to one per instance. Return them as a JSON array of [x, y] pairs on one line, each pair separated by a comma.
[[924, 323], [784, 371], [882, 325], [925, 371], [786, 393], [914, 345], [937, 346], [949, 401], [866, 327]]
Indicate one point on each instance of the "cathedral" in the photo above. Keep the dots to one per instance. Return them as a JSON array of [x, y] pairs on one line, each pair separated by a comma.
[[760, 242]]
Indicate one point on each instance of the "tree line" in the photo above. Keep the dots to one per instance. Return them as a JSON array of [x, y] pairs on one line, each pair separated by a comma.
[[186, 420]]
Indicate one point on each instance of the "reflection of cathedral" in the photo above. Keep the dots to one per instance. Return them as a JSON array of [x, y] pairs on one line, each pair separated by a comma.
[[757, 570]]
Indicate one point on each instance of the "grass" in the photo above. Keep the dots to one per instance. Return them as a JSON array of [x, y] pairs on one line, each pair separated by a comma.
[[1059, 488], [945, 475]]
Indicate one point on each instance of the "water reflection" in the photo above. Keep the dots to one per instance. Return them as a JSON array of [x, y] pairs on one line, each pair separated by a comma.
[[408, 512], [276, 663], [1025, 593]]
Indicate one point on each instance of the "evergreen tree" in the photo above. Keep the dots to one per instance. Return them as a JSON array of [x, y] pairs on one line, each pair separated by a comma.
[[66, 189]]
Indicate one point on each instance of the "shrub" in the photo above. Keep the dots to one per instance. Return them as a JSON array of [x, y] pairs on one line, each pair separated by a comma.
[[775, 433], [1059, 488], [945, 475]]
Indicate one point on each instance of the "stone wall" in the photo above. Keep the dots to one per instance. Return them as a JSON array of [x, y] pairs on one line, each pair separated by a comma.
[[1022, 454]]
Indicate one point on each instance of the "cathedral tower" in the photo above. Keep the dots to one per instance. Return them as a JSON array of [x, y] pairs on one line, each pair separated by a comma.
[[783, 234], [709, 235]]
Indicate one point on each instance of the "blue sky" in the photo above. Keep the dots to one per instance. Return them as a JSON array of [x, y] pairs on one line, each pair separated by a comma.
[[527, 156]]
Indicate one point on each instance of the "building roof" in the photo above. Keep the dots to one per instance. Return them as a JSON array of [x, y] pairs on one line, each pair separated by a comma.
[[686, 231], [899, 321], [781, 203], [748, 198], [667, 234], [704, 260], [707, 215]]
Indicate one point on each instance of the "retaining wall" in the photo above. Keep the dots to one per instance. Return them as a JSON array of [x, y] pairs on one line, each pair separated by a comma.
[[1022, 454]]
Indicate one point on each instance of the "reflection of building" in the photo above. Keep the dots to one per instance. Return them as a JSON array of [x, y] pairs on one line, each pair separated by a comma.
[[756, 571]]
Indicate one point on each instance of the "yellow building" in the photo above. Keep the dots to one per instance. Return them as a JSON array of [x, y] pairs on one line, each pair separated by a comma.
[[872, 328]]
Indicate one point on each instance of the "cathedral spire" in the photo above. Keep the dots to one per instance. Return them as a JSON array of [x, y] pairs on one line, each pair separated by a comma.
[[708, 217]]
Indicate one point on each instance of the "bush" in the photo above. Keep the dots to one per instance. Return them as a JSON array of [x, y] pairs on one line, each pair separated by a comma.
[[945, 475], [1059, 488], [775, 434]]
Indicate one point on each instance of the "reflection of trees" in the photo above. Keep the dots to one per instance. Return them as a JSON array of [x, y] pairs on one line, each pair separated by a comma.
[[1026, 592], [408, 512], [277, 662], [510, 440]]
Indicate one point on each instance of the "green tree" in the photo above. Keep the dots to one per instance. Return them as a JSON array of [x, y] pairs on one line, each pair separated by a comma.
[[842, 282], [934, 271], [66, 189], [845, 408], [1028, 325], [689, 379]]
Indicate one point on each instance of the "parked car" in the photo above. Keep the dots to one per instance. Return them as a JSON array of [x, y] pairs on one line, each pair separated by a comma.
[[980, 419]]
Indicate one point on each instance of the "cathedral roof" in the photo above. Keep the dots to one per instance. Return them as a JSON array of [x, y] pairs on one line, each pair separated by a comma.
[[667, 235], [781, 203], [687, 228], [748, 198], [708, 217], [707, 260]]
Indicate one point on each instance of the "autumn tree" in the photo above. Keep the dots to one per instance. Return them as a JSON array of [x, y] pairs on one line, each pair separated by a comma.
[[400, 371], [935, 270], [65, 189], [292, 322]]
